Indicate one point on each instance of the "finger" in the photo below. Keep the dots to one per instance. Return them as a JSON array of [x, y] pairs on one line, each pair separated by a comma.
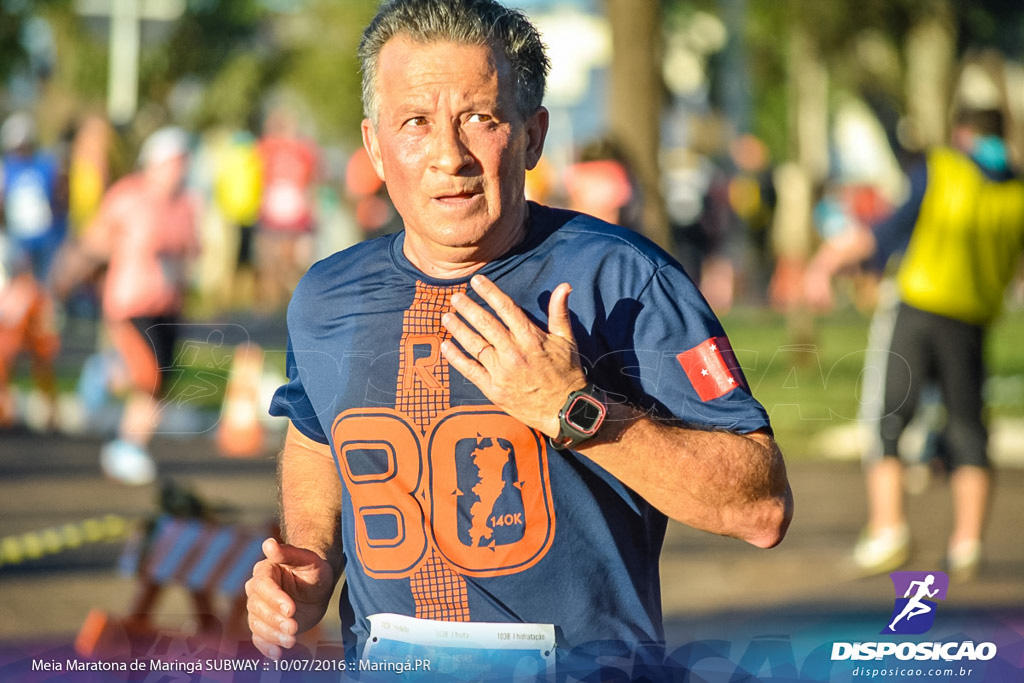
[[271, 635], [508, 312], [273, 551], [559, 323], [268, 641], [467, 337], [265, 585], [268, 650], [289, 555], [266, 618], [269, 612], [269, 631], [467, 367], [489, 328]]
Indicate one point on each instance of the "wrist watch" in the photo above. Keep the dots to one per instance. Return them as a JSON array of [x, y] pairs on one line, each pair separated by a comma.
[[580, 418]]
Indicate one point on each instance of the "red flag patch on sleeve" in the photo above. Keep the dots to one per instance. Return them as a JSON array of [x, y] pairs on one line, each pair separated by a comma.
[[712, 368]]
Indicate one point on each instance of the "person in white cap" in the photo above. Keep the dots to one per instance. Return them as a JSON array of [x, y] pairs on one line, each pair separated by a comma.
[[33, 196], [145, 235]]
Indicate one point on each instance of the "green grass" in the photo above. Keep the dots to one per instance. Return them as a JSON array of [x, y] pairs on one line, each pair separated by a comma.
[[807, 372]]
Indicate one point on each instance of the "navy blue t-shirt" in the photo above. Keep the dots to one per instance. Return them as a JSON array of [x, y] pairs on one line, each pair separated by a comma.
[[454, 510]]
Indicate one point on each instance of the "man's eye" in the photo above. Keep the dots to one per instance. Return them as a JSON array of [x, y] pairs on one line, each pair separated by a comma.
[[416, 121], [481, 118]]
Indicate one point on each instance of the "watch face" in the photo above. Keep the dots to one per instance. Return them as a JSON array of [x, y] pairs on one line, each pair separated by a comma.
[[585, 414]]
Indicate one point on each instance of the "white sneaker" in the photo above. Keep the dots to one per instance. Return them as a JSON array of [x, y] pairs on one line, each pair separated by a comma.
[[885, 551], [127, 463], [963, 560]]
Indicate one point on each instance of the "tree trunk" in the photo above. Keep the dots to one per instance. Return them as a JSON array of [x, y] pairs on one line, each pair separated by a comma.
[[636, 94], [930, 48]]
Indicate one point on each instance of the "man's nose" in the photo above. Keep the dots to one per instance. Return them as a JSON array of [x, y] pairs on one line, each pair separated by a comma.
[[449, 153]]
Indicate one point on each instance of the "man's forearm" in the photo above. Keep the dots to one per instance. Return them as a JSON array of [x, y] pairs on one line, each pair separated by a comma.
[[721, 482], [849, 248], [311, 498]]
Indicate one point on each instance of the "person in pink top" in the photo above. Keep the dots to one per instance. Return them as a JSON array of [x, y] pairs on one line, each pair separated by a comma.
[[145, 235], [284, 237]]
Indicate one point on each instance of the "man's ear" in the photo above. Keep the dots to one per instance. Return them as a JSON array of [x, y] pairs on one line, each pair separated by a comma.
[[536, 133], [372, 146]]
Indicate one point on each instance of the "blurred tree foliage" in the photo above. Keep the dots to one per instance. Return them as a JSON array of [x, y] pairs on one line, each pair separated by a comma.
[[220, 44], [204, 46], [836, 27], [220, 61], [321, 66], [843, 33], [232, 53], [12, 52], [81, 65], [991, 23]]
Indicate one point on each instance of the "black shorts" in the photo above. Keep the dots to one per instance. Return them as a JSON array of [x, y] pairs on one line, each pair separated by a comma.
[[926, 346], [161, 334], [245, 246]]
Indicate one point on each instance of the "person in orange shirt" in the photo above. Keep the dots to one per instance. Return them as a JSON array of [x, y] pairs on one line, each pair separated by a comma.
[[145, 235], [27, 324]]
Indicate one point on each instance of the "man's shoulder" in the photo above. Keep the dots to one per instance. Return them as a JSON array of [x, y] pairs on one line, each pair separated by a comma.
[[351, 265], [125, 194], [588, 235]]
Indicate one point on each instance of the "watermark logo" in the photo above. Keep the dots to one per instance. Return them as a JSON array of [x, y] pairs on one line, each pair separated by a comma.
[[914, 613], [916, 596]]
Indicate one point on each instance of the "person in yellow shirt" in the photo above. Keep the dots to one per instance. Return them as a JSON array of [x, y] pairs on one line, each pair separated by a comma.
[[960, 233]]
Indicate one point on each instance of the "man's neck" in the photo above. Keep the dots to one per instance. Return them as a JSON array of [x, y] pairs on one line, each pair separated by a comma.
[[454, 263]]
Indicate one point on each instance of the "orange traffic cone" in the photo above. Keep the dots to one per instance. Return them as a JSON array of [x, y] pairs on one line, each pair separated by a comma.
[[102, 636], [240, 433]]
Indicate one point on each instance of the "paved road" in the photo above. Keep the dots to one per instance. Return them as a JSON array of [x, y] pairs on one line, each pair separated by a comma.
[[714, 588]]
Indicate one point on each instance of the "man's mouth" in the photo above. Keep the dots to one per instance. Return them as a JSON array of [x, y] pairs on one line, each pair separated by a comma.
[[455, 197]]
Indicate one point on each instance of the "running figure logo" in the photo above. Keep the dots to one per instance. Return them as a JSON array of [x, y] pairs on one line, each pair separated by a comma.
[[914, 613]]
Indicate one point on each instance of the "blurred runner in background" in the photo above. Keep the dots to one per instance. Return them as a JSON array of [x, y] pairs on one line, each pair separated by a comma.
[[284, 238], [237, 191], [145, 235], [90, 172], [27, 325], [961, 232], [32, 195]]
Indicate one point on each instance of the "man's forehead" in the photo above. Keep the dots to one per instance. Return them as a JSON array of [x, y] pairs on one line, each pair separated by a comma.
[[412, 74], [405, 53]]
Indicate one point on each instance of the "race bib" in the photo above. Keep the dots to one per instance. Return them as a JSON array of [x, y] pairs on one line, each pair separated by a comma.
[[428, 649]]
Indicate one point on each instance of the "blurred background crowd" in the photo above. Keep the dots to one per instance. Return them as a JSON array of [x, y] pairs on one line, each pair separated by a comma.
[[738, 134]]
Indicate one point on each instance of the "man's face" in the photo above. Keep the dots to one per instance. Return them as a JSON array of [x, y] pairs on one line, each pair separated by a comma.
[[449, 142]]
